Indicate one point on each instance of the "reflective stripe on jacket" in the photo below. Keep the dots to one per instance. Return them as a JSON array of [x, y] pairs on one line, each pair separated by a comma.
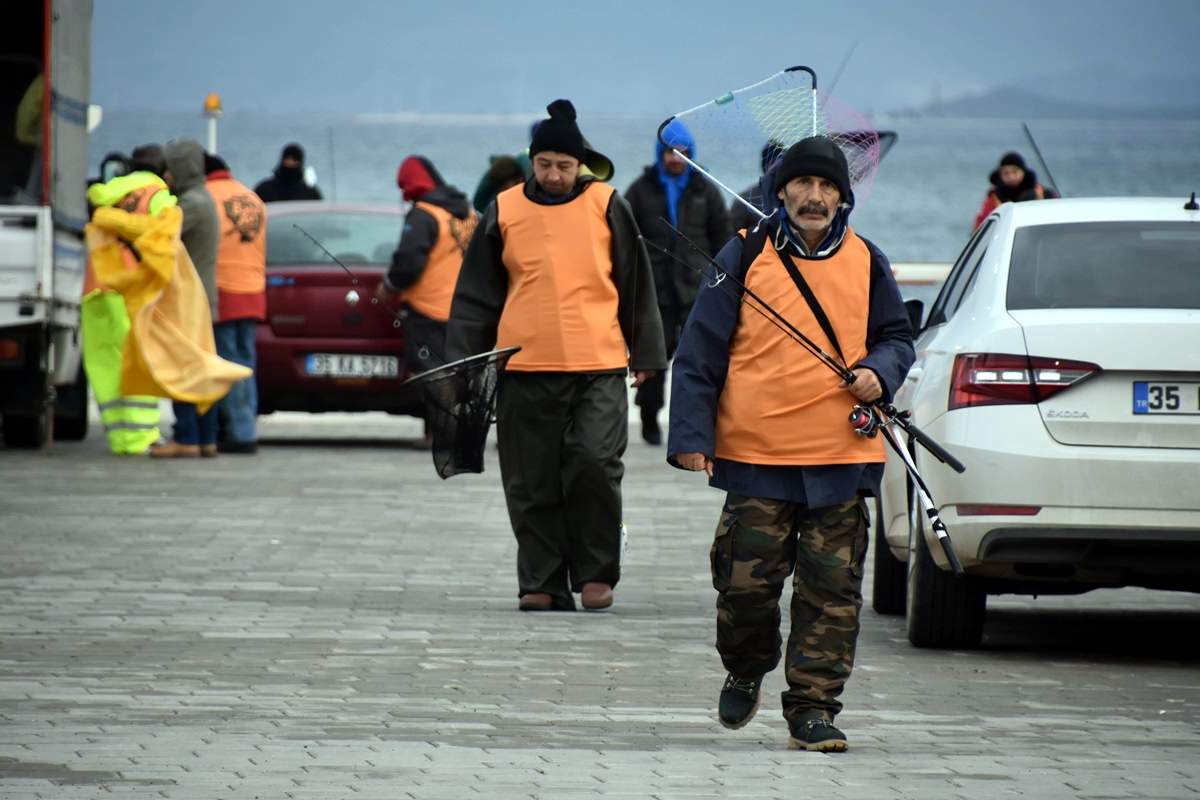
[[130, 422]]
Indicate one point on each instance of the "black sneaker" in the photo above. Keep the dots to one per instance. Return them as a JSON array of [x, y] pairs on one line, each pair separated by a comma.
[[816, 734], [651, 433], [739, 701]]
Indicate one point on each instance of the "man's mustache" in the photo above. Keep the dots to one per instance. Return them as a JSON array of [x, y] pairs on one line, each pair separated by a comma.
[[813, 208]]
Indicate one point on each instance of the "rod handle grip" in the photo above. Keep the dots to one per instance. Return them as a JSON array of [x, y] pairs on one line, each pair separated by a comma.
[[939, 452]]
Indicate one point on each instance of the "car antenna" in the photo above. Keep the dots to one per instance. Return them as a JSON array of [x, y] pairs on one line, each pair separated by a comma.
[[1191, 205], [397, 320]]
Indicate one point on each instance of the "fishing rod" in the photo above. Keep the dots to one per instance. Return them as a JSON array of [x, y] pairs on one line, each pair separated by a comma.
[[866, 420], [1045, 167], [397, 317]]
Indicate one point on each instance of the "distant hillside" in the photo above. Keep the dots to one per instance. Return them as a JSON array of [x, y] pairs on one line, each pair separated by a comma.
[[1010, 102]]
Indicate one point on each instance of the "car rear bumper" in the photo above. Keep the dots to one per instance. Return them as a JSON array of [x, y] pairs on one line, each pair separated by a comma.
[[284, 386], [1115, 515]]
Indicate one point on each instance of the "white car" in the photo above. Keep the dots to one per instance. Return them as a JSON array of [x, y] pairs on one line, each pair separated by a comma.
[[1061, 363]]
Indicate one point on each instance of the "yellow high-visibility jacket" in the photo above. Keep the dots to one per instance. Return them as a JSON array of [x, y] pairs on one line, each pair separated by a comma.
[[170, 351]]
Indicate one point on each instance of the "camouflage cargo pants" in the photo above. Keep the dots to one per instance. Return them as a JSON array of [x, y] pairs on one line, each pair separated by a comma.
[[759, 544]]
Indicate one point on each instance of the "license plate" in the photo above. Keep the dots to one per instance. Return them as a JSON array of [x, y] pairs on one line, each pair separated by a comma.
[[1163, 397], [343, 365]]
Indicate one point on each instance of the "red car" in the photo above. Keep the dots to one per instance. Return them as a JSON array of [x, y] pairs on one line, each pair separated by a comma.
[[325, 346]]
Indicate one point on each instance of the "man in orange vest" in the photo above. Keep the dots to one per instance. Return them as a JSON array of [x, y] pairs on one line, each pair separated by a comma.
[[241, 298], [768, 424], [425, 265], [557, 268]]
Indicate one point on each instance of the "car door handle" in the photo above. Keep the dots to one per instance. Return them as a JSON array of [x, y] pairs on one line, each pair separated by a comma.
[[914, 374]]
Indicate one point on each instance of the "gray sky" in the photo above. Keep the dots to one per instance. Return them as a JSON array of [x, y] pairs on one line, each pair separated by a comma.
[[639, 57]]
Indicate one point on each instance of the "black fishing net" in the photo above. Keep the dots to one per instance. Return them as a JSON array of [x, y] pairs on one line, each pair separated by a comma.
[[460, 400]]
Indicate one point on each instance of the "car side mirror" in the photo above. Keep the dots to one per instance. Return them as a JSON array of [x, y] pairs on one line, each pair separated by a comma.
[[916, 310]]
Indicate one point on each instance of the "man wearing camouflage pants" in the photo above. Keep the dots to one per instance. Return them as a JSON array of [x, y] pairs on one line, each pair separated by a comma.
[[768, 423]]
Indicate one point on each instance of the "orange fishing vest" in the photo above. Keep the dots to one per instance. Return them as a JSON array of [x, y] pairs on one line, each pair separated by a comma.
[[779, 405], [242, 255], [433, 291], [561, 307]]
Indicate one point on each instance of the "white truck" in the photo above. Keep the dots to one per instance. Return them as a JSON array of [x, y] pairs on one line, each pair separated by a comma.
[[43, 208]]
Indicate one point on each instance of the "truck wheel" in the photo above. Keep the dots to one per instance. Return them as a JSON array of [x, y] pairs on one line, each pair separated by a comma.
[[71, 411], [943, 610], [890, 580], [25, 432]]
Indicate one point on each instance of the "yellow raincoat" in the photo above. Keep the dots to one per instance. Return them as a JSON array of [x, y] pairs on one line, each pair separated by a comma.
[[170, 351]]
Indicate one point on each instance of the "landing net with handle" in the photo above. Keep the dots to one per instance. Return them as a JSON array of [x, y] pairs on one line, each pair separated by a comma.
[[460, 403], [746, 129]]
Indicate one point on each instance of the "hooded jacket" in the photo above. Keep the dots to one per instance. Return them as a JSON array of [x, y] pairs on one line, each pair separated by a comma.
[[700, 214], [286, 183], [201, 232], [420, 234]]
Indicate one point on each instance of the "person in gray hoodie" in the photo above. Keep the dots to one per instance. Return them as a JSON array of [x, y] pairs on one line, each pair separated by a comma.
[[195, 434]]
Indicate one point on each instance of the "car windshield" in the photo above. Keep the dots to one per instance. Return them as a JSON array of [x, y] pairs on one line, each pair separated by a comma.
[[1106, 265], [354, 237]]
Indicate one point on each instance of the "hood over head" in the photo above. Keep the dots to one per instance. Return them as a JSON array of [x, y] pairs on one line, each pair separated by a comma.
[[292, 150], [677, 136], [185, 160], [417, 177]]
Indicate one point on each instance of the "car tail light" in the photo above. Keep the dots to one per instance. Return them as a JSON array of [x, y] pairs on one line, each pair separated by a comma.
[[992, 510], [10, 349], [988, 379]]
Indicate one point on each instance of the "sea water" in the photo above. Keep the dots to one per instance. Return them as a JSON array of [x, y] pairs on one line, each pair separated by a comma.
[[920, 207]]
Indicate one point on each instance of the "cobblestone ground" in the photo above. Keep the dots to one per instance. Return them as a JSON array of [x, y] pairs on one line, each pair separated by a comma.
[[328, 619]]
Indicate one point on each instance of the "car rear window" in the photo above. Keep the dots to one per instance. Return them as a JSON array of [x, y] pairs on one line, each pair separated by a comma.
[[1106, 265], [355, 238]]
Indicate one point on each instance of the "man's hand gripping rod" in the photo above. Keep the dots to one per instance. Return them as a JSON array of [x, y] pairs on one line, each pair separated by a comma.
[[866, 420]]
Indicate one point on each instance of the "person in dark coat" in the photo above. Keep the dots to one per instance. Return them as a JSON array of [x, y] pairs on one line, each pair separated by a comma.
[[195, 433], [671, 190], [767, 423], [287, 183], [1012, 182], [557, 268], [426, 263]]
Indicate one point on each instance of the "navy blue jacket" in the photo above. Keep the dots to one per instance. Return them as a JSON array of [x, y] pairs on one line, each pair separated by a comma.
[[702, 363]]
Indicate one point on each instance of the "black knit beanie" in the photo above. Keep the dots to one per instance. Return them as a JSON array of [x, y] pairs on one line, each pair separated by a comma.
[[1013, 160], [819, 156], [148, 158], [559, 133]]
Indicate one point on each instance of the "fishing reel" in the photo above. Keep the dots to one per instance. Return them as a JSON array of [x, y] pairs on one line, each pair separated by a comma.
[[866, 421]]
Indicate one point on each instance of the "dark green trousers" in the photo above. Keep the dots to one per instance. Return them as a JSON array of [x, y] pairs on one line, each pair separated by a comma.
[[760, 544], [561, 439]]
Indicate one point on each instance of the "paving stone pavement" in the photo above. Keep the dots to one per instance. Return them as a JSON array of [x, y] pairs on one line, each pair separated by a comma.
[[328, 619]]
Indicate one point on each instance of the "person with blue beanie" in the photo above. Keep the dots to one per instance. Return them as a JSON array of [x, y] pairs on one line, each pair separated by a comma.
[[671, 190]]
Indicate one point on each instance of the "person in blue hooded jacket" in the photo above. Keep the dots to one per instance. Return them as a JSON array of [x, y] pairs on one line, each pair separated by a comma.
[[671, 190]]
